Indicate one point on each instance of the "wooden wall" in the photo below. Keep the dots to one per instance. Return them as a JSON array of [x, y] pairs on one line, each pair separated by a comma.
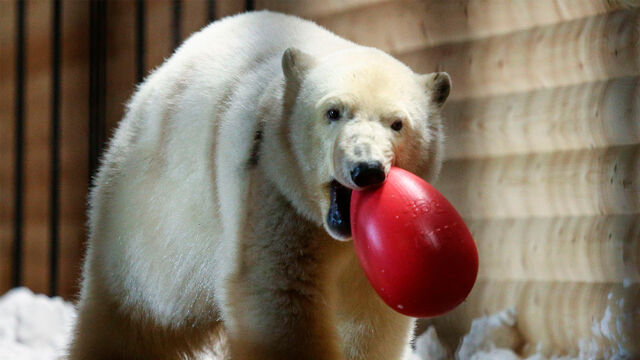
[[543, 139], [58, 104], [543, 153]]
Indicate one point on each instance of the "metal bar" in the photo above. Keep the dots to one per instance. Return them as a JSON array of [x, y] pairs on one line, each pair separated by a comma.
[[19, 143], [140, 41], [177, 23], [56, 50], [97, 49], [211, 10]]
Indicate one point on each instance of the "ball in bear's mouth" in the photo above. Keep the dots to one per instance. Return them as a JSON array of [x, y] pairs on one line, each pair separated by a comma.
[[338, 217]]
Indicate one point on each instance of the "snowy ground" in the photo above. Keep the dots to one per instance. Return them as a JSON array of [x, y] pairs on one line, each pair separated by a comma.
[[33, 327], [36, 327]]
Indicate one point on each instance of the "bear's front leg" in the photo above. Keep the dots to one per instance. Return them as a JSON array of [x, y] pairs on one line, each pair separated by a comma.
[[277, 297], [369, 329]]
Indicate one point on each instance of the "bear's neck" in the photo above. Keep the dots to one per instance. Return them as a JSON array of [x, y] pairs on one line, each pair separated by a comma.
[[275, 224], [274, 154]]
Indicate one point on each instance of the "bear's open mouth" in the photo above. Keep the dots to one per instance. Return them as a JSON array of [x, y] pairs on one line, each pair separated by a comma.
[[339, 217]]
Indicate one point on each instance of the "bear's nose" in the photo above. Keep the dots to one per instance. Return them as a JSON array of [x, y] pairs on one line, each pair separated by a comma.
[[368, 173]]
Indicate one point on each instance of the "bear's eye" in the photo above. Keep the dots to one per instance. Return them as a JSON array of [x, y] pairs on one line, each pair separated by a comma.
[[333, 114], [397, 125]]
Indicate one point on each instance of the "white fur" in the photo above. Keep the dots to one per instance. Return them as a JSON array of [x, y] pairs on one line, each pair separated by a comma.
[[188, 240]]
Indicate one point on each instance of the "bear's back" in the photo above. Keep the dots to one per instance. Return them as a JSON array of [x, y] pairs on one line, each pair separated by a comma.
[[216, 60], [187, 130], [250, 36]]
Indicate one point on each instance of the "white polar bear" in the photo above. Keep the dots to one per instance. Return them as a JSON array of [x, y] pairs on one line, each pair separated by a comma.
[[213, 213]]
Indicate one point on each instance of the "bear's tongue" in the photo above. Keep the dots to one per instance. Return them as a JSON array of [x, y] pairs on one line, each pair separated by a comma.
[[338, 217]]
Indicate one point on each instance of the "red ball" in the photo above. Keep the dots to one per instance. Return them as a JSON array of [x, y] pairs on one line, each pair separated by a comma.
[[414, 247]]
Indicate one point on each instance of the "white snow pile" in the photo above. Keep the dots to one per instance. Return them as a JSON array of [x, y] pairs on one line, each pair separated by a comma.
[[490, 338], [33, 327], [36, 327]]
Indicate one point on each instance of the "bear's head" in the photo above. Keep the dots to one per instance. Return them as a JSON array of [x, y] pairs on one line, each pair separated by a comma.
[[346, 118]]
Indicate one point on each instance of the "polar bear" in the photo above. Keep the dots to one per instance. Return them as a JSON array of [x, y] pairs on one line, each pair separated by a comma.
[[221, 208]]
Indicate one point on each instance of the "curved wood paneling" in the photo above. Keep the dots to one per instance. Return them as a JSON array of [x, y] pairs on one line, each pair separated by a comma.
[[575, 52], [402, 26], [573, 183], [585, 249], [583, 116]]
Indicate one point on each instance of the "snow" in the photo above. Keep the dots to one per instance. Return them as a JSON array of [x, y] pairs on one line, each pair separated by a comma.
[[490, 333], [33, 327], [36, 327], [428, 346]]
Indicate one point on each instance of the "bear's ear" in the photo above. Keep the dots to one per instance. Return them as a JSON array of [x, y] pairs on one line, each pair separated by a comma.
[[296, 63], [438, 85]]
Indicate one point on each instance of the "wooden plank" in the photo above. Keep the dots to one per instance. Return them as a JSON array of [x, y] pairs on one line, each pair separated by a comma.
[[554, 316], [314, 8], [583, 248], [37, 147], [402, 26], [7, 141], [121, 59], [582, 116], [572, 183], [74, 145], [575, 52], [158, 32], [194, 16]]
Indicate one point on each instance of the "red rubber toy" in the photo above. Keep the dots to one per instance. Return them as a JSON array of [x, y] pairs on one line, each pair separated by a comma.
[[414, 247]]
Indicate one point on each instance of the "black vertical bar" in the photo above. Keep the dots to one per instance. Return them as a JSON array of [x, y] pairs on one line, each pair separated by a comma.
[[56, 46], [249, 5], [19, 143], [211, 10], [140, 43], [97, 49], [177, 23]]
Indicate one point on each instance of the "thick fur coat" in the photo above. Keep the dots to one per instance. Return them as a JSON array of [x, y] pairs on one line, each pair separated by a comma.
[[208, 217]]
